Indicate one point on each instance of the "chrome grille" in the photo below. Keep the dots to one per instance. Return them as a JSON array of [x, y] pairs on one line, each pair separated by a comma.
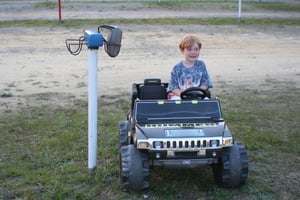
[[186, 144]]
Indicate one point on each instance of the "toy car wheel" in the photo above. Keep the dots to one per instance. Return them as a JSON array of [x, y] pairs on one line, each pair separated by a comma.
[[232, 169], [134, 168], [123, 133], [193, 93]]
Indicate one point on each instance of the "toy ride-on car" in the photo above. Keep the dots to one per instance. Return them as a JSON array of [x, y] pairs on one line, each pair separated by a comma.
[[186, 133]]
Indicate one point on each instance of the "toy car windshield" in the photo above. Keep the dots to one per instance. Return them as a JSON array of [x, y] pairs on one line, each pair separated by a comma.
[[178, 111]]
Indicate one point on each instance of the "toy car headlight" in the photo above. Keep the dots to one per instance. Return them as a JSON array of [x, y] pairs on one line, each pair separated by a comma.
[[214, 143], [143, 144], [227, 141], [157, 145]]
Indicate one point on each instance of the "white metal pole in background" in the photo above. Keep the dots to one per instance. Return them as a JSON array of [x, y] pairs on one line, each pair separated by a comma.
[[239, 9], [92, 109], [94, 40]]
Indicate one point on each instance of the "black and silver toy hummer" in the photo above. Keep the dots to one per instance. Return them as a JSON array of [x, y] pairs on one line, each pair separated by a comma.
[[186, 133]]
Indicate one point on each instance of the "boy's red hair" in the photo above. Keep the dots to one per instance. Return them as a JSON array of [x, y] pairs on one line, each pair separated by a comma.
[[188, 41]]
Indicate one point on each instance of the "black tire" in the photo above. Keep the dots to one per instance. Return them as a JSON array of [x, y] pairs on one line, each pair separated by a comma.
[[134, 168], [232, 169], [123, 133]]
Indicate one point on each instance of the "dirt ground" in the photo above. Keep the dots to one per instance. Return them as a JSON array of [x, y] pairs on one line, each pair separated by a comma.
[[36, 67]]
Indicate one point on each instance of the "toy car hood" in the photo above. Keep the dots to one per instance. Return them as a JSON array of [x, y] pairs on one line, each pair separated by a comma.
[[169, 118]]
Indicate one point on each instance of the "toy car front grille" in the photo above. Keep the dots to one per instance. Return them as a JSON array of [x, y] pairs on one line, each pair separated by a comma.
[[180, 144]]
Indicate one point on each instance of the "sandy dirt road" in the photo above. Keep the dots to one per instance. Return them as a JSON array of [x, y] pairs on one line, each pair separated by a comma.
[[35, 62]]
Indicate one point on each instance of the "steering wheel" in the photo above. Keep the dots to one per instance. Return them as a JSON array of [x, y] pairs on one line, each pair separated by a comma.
[[193, 93]]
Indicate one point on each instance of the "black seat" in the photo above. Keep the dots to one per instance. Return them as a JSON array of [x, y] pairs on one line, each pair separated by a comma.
[[152, 89]]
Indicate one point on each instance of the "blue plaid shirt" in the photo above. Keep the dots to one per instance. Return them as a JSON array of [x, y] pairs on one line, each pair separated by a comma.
[[183, 77]]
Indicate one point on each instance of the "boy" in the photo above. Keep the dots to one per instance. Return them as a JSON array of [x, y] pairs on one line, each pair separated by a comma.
[[190, 72]]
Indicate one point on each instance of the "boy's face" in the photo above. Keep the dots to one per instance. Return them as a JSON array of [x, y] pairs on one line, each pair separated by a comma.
[[191, 54]]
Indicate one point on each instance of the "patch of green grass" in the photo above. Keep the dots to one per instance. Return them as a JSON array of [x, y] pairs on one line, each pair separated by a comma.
[[276, 6], [226, 5], [188, 4], [280, 22], [44, 151], [46, 4]]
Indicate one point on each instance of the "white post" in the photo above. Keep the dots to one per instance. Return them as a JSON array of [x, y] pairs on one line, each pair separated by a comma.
[[240, 9], [92, 109]]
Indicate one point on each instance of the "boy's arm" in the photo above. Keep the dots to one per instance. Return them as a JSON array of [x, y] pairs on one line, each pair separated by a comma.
[[177, 92], [204, 87]]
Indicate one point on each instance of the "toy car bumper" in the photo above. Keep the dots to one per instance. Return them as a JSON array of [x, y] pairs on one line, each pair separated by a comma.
[[184, 163]]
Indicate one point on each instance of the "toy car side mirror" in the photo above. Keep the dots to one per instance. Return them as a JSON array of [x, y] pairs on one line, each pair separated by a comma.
[[112, 42]]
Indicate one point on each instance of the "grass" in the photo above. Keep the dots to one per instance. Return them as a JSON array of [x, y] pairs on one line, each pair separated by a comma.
[[278, 6], [46, 5], [44, 151], [162, 21], [226, 5]]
